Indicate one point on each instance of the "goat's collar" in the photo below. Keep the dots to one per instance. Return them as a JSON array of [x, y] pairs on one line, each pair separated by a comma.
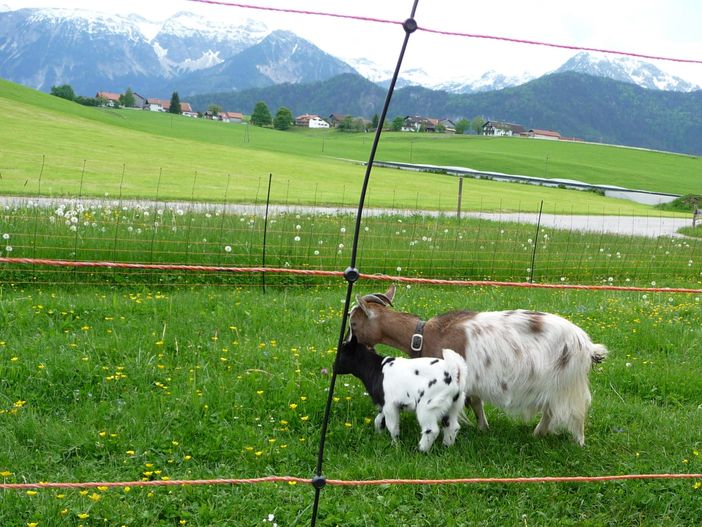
[[417, 341]]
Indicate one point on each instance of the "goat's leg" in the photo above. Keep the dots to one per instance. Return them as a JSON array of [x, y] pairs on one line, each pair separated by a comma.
[[451, 424], [379, 422], [392, 420], [543, 427], [430, 429], [477, 405]]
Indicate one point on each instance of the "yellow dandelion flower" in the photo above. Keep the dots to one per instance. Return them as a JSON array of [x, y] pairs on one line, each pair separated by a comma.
[[347, 424], [95, 497], [305, 417], [293, 406], [84, 516], [259, 392], [127, 489], [5, 473], [187, 458], [292, 482], [32, 524], [697, 485], [83, 493], [32, 493], [103, 488], [259, 453]]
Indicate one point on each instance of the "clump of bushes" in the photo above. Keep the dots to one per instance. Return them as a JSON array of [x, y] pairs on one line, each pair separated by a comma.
[[686, 203]]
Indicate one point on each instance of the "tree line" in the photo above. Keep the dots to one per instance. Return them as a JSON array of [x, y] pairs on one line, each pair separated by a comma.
[[261, 115]]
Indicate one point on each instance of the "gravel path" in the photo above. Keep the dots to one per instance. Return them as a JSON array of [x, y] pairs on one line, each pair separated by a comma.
[[651, 226]]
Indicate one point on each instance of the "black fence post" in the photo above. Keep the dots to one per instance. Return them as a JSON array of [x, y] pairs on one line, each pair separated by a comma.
[[536, 241], [265, 233]]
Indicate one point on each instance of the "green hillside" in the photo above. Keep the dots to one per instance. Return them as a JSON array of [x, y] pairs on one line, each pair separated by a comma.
[[54, 147]]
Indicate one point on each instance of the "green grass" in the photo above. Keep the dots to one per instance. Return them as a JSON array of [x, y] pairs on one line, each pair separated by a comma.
[[57, 148], [695, 232], [414, 246], [120, 384]]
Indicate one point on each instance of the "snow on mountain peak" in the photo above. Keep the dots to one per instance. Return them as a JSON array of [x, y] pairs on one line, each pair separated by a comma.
[[626, 69]]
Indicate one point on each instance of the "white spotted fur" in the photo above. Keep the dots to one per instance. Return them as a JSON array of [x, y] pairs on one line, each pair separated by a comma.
[[433, 388]]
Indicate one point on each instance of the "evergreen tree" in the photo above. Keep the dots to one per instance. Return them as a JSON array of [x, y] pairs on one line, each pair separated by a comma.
[[65, 91], [283, 119], [261, 116], [175, 104], [375, 121]]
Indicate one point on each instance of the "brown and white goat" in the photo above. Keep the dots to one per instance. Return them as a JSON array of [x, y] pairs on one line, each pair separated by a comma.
[[525, 362]]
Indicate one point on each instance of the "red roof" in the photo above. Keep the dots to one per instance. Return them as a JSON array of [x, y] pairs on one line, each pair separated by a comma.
[[548, 133], [110, 96]]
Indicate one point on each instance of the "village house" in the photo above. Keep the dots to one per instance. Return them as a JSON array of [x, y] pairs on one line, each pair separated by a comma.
[[543, 134], [232, 117], [311, 121], [162, 105], [335, 119], [500, 128], [111, 99]]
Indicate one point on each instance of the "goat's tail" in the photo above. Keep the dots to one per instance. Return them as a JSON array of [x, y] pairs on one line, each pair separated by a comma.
[[598, 353], [458, 368]]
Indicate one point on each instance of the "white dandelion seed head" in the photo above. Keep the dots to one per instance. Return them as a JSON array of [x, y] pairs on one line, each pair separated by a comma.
[[6, 236], [296, 238], [227, 248], [342, 230]]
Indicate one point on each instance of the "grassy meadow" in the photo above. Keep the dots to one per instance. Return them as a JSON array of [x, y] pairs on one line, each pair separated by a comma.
[[128, 383], [116, 375], [73, 150]]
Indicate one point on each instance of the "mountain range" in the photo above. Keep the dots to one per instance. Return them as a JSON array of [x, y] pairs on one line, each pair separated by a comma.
[[600, 98], [45, 47]]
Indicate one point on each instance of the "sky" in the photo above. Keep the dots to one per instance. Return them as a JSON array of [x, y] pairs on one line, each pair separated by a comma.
[[669, 28]]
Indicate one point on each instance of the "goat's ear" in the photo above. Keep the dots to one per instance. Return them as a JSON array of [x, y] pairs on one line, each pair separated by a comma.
[[364, 306], [390, 293]]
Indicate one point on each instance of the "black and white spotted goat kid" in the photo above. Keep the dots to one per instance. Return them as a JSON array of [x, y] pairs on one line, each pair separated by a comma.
[[433, 388]]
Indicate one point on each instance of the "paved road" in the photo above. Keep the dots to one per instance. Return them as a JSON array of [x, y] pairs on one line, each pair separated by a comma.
[[651, 226]]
